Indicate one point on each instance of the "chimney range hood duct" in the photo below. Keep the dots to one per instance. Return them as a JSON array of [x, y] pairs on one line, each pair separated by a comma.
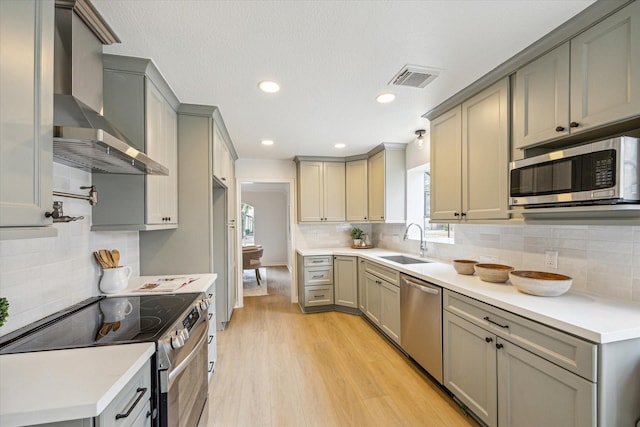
[[82, 137]]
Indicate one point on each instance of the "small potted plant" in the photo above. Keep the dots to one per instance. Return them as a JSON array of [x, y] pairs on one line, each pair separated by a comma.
[[356, 235], [4, 310]]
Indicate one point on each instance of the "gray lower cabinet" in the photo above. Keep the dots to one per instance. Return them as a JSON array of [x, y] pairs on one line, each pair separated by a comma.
[[26, 118], [130, 408], [382, 295], [505, 368], [345, 276], [362, 290], [315, 281], [212, 349]]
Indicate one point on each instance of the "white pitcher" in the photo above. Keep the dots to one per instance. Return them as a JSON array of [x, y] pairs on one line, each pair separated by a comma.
[[115, 279]]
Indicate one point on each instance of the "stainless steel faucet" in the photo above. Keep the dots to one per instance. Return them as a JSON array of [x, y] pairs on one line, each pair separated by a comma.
[[406, 236]]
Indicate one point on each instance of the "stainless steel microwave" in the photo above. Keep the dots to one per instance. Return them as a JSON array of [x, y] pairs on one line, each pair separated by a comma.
[[602, 172]]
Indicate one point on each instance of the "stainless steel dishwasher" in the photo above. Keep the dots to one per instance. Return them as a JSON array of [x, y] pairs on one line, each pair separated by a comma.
[[421, 323]]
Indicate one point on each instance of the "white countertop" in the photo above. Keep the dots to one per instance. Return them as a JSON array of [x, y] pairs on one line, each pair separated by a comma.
[[201, 284], [49, 386], [595, 319]]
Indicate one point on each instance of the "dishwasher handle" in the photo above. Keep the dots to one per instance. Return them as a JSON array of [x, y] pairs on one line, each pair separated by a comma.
[[423, 288]]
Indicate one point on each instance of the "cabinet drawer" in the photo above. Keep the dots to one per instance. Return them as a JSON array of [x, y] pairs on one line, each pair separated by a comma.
[[385, 273], [567, 351], [318, 295], [134, 397], [318, 276], [318, 260]]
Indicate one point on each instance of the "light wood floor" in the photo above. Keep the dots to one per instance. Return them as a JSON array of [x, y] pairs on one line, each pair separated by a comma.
[[279, 367]]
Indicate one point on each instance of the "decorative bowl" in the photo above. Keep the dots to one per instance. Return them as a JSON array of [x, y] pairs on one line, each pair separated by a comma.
[[464, 266], [495, 273], [540, 283]]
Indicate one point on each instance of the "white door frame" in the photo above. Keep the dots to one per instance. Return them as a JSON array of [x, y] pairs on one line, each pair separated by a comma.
[[292, 233]]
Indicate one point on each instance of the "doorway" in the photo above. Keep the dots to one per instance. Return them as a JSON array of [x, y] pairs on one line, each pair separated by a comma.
[[266, 210]]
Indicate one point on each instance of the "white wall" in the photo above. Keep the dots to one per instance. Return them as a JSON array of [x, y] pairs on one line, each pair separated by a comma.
[[42, 276], [270, 219], [603, 260], [265, 170]]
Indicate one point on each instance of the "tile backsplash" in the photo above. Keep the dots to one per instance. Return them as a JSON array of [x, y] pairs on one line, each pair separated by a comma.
[[603, 260], [44, 275]]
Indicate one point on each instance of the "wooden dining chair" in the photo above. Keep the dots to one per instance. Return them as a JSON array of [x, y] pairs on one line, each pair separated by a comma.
[[251, 259]]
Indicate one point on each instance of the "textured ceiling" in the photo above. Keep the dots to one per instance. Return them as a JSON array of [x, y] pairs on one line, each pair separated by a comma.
[[331, 58]]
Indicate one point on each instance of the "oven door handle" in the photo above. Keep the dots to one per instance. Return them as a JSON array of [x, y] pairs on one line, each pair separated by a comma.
[[181, 367]]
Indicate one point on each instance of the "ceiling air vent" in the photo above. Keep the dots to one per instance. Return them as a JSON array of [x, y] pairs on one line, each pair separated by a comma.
[[414, 76]]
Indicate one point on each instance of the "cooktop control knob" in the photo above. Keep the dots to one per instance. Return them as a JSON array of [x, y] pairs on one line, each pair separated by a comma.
[[184, 333], [177, 341], [204, 304]]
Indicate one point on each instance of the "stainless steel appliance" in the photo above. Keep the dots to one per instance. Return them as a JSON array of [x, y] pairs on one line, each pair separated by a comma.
[[421, 323], [602, 172], [178, 325]]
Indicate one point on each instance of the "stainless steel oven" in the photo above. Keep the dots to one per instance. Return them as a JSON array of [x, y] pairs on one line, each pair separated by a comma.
[[184, 385], [178, 325]]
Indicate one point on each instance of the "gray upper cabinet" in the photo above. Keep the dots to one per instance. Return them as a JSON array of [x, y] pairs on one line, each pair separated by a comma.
[[605, 71], [591, 81], [321, 191], [356, 190], [469, 158], [387, 184], [541, 110], [141, 104], [26, 117]]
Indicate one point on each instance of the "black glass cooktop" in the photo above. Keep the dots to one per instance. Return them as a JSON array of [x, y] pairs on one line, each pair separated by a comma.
[[116, 320]]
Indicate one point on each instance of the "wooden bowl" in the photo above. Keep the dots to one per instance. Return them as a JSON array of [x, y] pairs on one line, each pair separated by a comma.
[[495, 273], [464, 266], [540, 283]]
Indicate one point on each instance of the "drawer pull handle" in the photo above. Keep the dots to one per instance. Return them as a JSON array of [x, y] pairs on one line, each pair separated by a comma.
[[319, 296], [142, 391], [210, 339], [210, 316], [317, 261], [495, 323], [317, 277], [210, 366]]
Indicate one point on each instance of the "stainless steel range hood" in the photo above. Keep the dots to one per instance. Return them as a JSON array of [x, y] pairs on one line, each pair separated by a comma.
[[82, 137]]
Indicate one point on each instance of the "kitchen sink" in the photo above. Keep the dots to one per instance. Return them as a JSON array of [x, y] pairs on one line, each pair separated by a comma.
[[401, 259]]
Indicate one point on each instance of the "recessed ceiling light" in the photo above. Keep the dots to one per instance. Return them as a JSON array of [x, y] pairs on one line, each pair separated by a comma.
[[267, 142], [384, 98], [340, 145], [269, 86]]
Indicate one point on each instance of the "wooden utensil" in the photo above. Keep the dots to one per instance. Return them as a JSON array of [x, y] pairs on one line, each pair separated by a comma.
[[100, 260], [115, 255], [106, 257]]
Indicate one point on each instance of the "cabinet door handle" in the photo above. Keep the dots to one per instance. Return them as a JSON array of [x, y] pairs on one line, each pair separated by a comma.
[[142, 391], [499, 346], [495, 323], [574, 124], [456, 214], [463, 214], [559, 128], [210, 366], [365, 217], [488, 339]]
